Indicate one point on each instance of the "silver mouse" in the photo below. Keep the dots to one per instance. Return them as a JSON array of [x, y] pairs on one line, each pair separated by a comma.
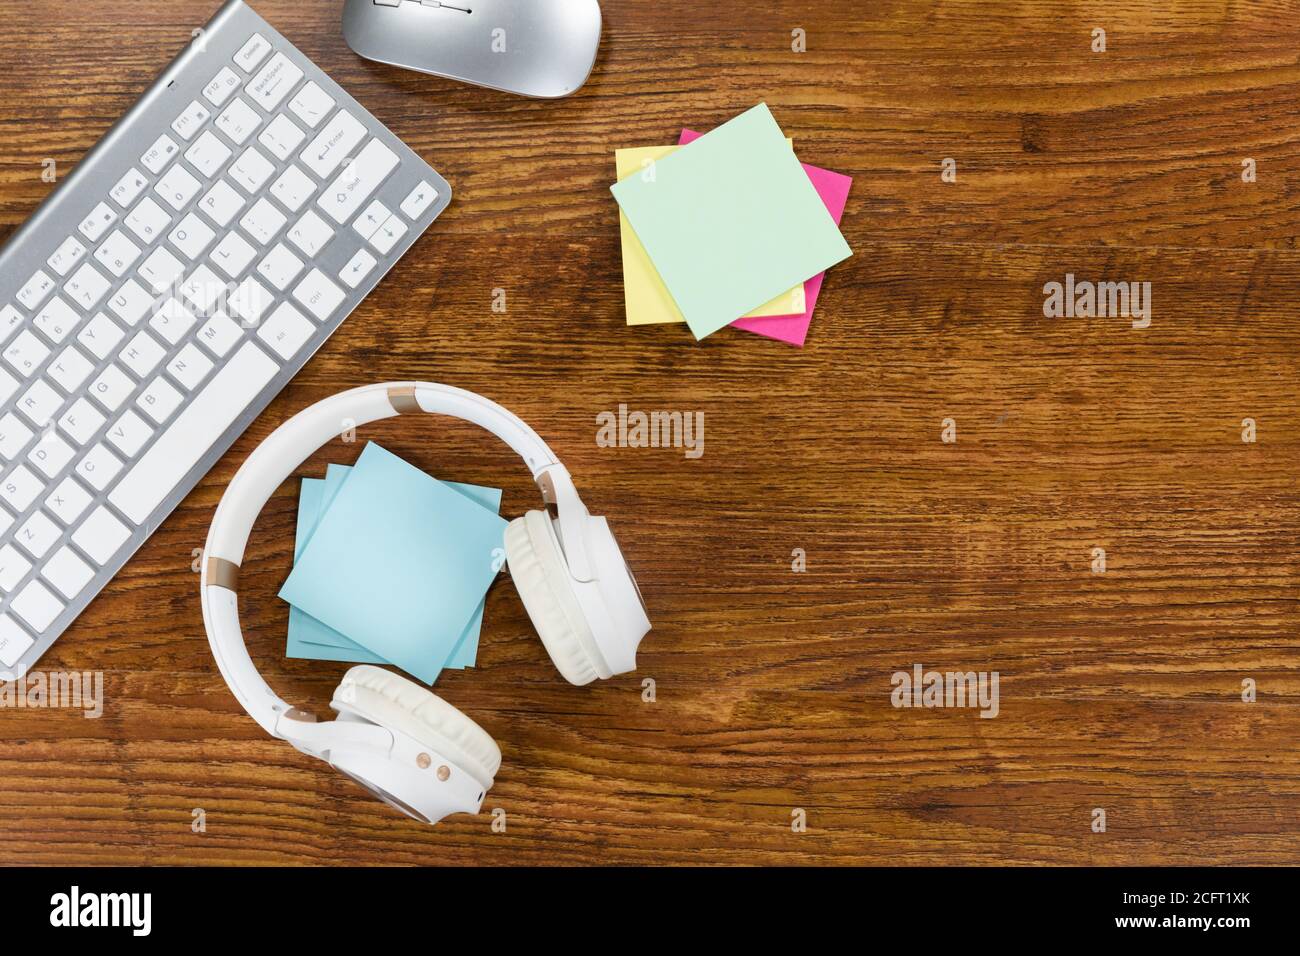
[[540, 48]]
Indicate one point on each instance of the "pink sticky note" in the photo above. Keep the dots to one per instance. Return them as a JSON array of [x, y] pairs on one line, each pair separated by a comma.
[[833, 188]]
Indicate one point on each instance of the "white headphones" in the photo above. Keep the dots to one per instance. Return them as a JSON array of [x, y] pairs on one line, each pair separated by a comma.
[[397, 739]]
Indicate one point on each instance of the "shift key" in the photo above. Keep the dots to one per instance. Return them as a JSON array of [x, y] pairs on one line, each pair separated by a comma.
[[359, 179]]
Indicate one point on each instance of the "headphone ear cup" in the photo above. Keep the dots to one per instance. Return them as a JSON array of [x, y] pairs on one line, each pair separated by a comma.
[[541, 577]]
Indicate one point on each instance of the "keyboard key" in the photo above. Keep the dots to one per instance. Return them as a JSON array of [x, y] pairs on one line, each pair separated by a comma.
[[250, 301], [40, 403], [159, 400], [56, 320], [13, 568], [99, 467], [172, 321], [70, 369], [251, 170], [132, 302], [10, 320], [20, 488], [100, 536], [35, 290], [208, 154], [67, 572], [203, 288], [8, 385], [87, 286], [286, 331], [221, 86], [222, 203], [281, 137], [112, 388], [275, 81], [161, 270], [293, 189], [129, 434], [81, 421], [37, 606], [100, 335], [280, 267], [389, 234], [38, 535], [179, 448], [238, 122], [148, 220], [189, 367], [159, 154], [263, 221], [311, 234], [129, 188], [142, 355], [342, 198], [191, 237], [368, 222], [233, 254], [14, 436], [69, 253], [178, 187], [191, 120], [332, 145], [14, 641], [51, 455], [319, 295], [312, 104], [420, 199], [357, 269], [219, 334], [25, 354], [68, 501], [99, 221], [117, 253], [252, 53]]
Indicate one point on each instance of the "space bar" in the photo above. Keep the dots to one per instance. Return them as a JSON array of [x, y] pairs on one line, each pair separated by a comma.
[[180, 447]]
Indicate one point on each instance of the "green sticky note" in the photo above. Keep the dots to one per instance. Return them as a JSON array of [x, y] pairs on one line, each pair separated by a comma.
[[731, 221]]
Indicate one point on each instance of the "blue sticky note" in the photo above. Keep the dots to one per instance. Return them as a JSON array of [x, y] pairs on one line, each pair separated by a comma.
[[310, 639], [399, 563]]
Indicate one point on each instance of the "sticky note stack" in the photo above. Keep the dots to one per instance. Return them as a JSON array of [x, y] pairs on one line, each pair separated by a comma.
[[728, 228], [392, 566]]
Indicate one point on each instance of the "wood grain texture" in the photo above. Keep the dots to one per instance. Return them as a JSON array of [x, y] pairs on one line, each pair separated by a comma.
[[1119, 690]]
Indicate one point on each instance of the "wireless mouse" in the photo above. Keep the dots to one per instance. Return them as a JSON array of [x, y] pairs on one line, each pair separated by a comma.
[[539, 48]]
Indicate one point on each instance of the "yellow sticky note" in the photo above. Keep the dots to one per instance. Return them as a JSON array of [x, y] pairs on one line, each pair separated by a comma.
[[648, 299]]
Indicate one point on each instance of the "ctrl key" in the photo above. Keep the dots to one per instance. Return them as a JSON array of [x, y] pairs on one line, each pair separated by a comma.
[[14, 641]]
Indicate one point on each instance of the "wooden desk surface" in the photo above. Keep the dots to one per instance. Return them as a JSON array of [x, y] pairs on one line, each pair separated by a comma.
[[1120, 691]]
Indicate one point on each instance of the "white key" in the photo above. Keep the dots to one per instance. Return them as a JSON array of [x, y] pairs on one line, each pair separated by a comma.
[[275, 81], [376, 215], [189, 367], [37, 606], [191, 236], [160, 154], [56, 320], [420, 199], [10, 320], [112, 388], [128, 188], [343, 197], [67, 572], [148, 220], [159, 400], [117, 253], [389, 234], [250, 301], [81, 421], [286, 331], [251, 170], [204, 287], [172, 321], [14, 436], [40, 403], [179, 448], [70, 369], [35, 290], [38, 535], [87, 286], [132, 302], [357, 269], [281, 137], [263, 221], [221, 86], [13, 568], [319, 295], [178, 187], [191, 120], [238, 122], [68, 501], [26, 353], [333, 143], [233, 254], [252, 53], [280, 267], [14, 641], [161, 270], [312, 104], [8, 385], [219, 334], [208, 154], [6, 521], [69, 253], [129, 434], [100, 536], [142, 355], [222, 203], [99, 221], [100, 335], [99, 467], [50, 455], [20, 488], [311, 234], [293, 189]]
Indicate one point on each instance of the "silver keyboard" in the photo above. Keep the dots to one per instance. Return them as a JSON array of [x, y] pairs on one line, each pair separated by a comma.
[[167, 290]]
